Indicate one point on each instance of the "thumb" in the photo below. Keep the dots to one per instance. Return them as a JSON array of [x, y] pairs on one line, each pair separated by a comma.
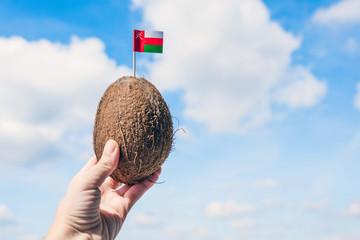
[[106, 165]]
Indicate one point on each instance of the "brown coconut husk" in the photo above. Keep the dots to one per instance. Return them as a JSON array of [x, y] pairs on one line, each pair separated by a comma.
[[133, 113]]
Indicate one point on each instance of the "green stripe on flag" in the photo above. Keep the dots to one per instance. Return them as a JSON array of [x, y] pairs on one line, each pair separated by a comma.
[[153, 48]]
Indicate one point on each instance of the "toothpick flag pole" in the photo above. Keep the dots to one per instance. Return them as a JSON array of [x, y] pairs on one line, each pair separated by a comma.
[[146, 41], [134, 60]]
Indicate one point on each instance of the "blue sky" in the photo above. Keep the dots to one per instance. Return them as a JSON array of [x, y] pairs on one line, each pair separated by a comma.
[[267, 91]]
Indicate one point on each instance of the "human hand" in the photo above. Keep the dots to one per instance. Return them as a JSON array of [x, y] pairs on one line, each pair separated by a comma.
[[94, 206]]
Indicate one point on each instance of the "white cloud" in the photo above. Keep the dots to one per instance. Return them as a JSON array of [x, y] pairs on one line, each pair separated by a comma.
[[228, 57], [317, 205], [351, 45], [189, 232], [353, 209], [228, 208], [266, 183], [180, 232], [32, 237], [273, 203], [346, 237], [145, 220], [303, 90], [243, 223], [345, 11], [357, 97], [204, 233], [5, 214], [49, 94]]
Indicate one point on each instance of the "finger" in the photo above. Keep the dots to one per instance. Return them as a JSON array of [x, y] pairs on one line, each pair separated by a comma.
[[92, 162], [106, 165], [135, 192], [121, 191], [111, 183], [108, 184]]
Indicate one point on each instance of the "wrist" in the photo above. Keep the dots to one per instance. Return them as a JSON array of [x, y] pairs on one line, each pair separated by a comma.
[[61, 229], [59, 232]]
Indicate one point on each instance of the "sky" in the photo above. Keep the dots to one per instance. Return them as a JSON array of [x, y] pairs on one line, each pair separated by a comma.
[[266, 95]]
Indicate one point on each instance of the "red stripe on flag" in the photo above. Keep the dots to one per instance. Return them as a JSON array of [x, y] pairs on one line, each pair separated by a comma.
[[138, 42], [153, 41]]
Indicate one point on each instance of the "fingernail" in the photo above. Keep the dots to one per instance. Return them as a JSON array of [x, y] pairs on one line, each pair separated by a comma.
[[154, 177], [110, 147]]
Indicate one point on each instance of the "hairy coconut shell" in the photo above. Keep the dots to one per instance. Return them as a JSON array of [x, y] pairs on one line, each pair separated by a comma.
[[133, 113]]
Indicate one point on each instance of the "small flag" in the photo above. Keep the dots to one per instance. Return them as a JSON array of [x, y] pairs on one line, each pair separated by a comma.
[[148, 41]]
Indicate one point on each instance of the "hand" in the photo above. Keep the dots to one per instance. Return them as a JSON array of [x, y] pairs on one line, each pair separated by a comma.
[[94, 207]]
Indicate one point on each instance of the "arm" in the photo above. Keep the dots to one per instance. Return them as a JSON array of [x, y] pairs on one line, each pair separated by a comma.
[[94, 206]]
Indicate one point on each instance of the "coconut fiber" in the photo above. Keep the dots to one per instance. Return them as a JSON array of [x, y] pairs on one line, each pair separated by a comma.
[[133, 113]]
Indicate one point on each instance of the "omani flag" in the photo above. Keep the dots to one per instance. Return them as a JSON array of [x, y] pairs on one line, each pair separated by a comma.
[[148, 41]]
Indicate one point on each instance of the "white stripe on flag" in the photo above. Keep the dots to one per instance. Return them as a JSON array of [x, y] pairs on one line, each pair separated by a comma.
[[153, 34]]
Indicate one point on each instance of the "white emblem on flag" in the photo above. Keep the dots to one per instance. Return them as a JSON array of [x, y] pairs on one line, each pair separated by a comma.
[[138, 35]]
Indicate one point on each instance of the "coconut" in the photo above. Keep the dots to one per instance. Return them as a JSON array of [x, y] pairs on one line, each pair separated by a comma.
[[133, 113]]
